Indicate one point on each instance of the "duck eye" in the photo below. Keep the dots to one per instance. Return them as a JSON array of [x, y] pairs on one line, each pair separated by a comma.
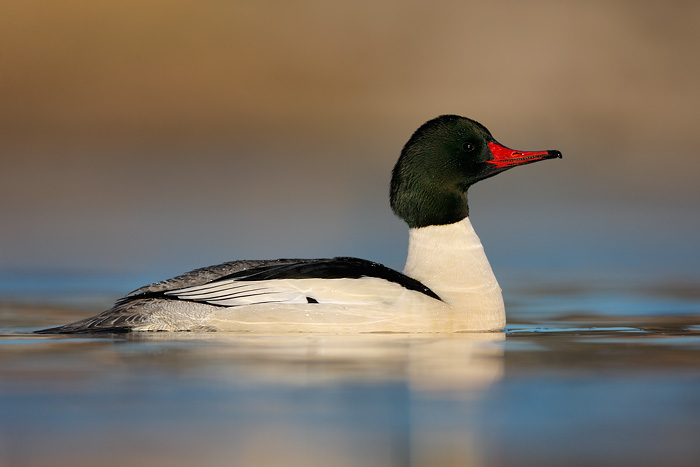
[[468, 147]]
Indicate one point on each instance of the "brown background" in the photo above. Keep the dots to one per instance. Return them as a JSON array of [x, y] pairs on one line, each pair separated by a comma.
[[157, 136]]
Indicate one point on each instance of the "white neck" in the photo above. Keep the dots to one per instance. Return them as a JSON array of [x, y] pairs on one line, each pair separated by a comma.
[[451, 261]]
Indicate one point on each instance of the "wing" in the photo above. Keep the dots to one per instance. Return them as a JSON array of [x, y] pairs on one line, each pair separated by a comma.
[[335, 280], [233, 292], [210, 273]]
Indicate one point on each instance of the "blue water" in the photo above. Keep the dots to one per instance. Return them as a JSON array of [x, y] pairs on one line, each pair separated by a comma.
[[588, 373]]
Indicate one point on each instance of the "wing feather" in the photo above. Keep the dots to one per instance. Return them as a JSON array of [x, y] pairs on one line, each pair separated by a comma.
[[232, 292]]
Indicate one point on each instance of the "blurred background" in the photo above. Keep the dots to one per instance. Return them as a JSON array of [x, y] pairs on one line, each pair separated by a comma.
[[145, 138]]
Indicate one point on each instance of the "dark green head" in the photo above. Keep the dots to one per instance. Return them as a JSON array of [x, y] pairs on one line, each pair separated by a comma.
[[442, 159]]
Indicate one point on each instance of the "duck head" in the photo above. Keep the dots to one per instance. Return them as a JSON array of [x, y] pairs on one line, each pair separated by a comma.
[[439, 163]]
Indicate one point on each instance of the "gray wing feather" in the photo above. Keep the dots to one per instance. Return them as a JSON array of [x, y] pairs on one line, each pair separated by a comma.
[[210, 273], [122, 317]]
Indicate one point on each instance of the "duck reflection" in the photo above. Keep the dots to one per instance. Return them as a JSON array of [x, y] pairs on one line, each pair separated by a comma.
[[458, 364], [383, 399]]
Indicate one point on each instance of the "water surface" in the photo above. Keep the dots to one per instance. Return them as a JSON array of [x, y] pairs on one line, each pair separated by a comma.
[[597, 374]]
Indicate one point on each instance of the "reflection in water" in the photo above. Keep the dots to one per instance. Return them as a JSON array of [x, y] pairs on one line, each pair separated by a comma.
[[319, 400], [446, 363], [418, 368]]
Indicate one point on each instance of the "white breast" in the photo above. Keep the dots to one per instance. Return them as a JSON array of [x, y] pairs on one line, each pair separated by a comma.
[[451, 261]]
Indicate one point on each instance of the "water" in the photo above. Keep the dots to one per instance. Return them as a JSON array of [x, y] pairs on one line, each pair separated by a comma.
[[604, 373]]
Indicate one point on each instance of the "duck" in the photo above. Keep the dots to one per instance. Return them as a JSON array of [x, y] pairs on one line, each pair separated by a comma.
[[446, 286]]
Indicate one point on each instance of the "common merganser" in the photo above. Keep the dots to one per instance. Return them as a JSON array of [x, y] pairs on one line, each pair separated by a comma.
[[447, 284]]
